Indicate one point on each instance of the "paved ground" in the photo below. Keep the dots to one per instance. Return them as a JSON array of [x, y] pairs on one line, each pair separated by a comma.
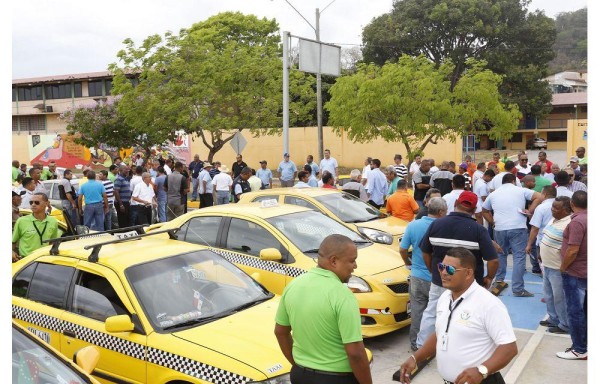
[[536, 362]]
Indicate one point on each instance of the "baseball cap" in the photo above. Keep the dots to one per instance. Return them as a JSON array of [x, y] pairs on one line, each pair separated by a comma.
[[468, 199], [263, 162], [574, 158], [16, 192], [463, 166], [286, 155]]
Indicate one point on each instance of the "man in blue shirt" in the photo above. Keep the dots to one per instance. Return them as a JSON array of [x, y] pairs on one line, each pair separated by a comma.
[[314, 168], [265, 175], [377, 185], [161, 195], [420, 277], [287, 171], [96, 203]]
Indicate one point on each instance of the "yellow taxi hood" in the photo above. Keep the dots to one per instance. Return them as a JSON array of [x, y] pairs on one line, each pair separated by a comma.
[[392, 225], [246, 336], [376, 258]]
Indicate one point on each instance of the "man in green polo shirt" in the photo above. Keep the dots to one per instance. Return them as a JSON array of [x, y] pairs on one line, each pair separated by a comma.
[[30, 230], [323, 314]]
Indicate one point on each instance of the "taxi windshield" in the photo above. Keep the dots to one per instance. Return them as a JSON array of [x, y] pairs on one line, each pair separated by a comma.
[[348, 208], [192, 288], [306, 230]]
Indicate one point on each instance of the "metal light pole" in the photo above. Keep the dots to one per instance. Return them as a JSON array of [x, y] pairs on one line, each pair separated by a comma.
[[286, 92]]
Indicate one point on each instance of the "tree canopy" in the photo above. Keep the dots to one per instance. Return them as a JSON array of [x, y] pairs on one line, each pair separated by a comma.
[[571, 42], [214, 79], [515, 43], [411, 101]]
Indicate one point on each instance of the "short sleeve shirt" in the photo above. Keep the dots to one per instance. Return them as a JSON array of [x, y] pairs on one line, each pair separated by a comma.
[[412, 237], [30, 232], [328, 165], [576, 234], [402, 205], [287, 169], [92, 191], [506, 202], [321, 323]]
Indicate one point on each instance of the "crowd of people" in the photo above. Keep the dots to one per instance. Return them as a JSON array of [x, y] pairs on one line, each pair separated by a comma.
[[463, 222]]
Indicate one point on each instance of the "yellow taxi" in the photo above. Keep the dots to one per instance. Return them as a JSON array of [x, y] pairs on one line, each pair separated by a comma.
[[158, 310], [34, 361], [276, 243], [342, 207]]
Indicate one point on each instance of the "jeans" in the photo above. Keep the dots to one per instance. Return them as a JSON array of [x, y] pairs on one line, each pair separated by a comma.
[[428, 319], [195, 184], [222, 197], [70, 210], [108, 217], [93, 216], [575, 289], [535, 264], [555, 298], [134, 214], [516, 241], [420, 203], [162, 211], [286, 183], [419, 296]]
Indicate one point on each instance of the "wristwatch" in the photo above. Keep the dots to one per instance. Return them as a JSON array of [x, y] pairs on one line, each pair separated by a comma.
[[483, 370]]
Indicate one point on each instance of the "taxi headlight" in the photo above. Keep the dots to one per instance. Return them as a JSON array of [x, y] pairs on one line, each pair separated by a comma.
[[283, 379], [377, 236], [358, 285]]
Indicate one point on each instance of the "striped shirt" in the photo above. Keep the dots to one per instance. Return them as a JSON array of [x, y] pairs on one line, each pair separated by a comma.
[[122, 185], [401, 171], [110, 191], [552, 241]]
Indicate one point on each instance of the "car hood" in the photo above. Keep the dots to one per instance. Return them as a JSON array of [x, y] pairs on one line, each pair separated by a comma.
[[390, 224], [375, 259], [246, 336]]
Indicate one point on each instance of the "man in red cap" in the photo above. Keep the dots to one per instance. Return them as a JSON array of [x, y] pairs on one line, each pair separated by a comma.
[[457, 229]]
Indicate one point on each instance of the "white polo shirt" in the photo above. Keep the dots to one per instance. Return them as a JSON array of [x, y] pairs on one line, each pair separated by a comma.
[[479, 324], [204, 176], [144, 192], [481, 189], [506, 202], [453, 196], [222, 182], [497, 181]]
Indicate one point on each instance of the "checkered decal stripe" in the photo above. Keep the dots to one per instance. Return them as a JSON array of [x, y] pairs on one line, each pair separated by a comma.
[[194, 368], [49, 322], [107, 341], [255, 262]]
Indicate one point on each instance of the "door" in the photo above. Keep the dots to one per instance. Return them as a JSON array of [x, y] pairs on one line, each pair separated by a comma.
[[96, 295]]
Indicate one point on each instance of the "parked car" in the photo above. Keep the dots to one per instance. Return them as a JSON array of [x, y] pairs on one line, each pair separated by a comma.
[[51, 187], [275, 243], [536, 143]]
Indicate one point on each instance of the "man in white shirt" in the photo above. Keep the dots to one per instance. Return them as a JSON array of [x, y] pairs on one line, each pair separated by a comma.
[[510, 228], [377, 185], [414, 166], [365, 173], [562, 181], [481, 187], [222, 185], [143, 199], [523, 167], [399, 168], [497, 180], [328, 164], [478, 173], [458, 187], [205, 186], [29, 188], [474, 337]]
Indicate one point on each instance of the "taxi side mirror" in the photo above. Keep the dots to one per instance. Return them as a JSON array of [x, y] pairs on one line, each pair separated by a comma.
[[120, 323], [87, 358], [270, 254]]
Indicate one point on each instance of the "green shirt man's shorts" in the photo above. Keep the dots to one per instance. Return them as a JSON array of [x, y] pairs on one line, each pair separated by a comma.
[[324, 315], [30, 231]]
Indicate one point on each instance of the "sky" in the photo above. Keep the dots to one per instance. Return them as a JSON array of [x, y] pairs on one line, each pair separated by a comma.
[[66, 36]]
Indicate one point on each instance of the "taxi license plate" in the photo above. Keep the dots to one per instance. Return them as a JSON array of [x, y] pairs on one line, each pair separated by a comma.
[[41, 334], [125, 235]]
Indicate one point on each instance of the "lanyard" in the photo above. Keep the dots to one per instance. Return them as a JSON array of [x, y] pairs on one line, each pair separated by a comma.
[[40, 234], [452, 310]]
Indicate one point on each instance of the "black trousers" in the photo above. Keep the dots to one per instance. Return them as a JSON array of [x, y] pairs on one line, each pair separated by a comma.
[[495, 378], [300, 375], [123, 216], [206, 200], [374, 204]]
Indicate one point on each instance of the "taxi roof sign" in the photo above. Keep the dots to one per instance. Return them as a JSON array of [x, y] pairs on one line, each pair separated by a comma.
[[268, 203]]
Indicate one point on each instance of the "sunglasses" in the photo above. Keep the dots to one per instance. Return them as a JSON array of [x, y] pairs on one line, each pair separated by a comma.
[[36, 202], [449, 269], [524, 159]]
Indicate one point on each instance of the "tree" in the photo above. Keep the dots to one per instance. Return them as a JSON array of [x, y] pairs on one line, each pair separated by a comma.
[[101, 124], [513, 42], [571, 42], [214, 79], [411, 101]]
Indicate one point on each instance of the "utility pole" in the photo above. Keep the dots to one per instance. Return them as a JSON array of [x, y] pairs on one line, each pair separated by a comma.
[[286, 92], [319, 95]]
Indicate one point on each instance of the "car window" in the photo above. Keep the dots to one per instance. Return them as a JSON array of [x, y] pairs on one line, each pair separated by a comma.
[[55, 192], [348, 208], [94, 297], [22, 281], [258, 199], [49, 284], [301, 202], [247, 237], [202, 230]]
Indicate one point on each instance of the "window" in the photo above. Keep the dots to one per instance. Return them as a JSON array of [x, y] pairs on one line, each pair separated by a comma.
[[50, 283], [557, 136], [94, 297], [28, 123], [29, 93], [22, 281], [202, 230], [301, 202], [58, 91], [95, 88], [14, 94], [516, 138], [108, 86], [250, 238], [77, 89]]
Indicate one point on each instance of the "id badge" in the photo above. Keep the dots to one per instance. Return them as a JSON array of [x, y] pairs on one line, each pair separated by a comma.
[[445, 342]]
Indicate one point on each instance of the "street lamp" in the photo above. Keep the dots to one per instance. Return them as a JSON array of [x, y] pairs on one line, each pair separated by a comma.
[[575, 106], [317, 30]]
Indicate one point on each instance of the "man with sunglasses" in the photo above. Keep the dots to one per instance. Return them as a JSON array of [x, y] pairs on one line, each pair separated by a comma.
[[458, 228], [474, 338], [31, 230]]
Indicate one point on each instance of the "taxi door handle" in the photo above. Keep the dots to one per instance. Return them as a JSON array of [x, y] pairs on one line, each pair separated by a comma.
[[69, 333]]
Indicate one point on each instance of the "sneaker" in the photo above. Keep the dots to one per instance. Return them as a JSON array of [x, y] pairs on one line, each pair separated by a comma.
[[570, 354], [537, 273], [414, 348], [523, 293], [546, 323], [557, 330]]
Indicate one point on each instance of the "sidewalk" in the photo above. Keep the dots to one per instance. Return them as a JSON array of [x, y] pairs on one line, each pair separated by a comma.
[[536, 362]]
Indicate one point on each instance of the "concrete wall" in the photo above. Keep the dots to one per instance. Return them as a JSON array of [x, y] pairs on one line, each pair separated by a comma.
[[577, 136]]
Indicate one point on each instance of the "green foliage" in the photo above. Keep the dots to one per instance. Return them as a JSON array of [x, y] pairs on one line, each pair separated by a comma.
[[571, 42], [214, 79], [411, 101], [500, 32]]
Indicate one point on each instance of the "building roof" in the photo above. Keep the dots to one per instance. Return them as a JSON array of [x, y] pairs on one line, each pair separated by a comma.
[[578, 98], [58, 78]]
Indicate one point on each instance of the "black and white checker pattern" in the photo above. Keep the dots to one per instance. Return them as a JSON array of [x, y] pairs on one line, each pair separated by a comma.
[[37, 318], [255, 262], [194, 368], [107, 341]]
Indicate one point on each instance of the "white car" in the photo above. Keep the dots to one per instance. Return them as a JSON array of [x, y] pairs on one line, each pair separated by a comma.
[[51, 187]]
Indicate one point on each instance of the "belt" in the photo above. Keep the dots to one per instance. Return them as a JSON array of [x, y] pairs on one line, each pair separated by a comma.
[[448, 382], [325, 372]]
